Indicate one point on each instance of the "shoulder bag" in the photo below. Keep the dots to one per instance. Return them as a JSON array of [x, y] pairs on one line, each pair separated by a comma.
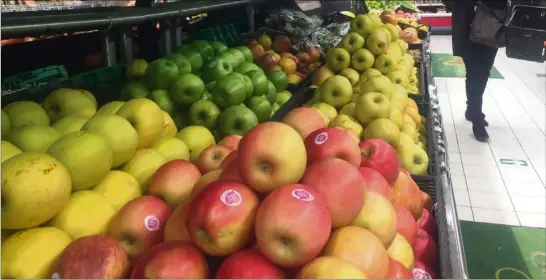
[[487, 28]]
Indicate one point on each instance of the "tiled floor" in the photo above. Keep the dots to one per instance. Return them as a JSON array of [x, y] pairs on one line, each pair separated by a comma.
[[502, 181]]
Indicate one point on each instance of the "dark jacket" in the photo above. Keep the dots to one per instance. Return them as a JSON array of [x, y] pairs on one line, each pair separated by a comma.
[[462, 16]]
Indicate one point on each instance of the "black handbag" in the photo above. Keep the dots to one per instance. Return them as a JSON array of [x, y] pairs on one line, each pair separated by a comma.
[[488, 28]]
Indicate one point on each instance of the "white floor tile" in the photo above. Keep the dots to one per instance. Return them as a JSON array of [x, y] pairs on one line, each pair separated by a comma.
[[495, 216], [518, 173], [456, 169], [527, 204], [458, 182], [490, 172], [532, 220], [475, 148], [499, 201], [485, 185], [533, 189], [465, 213], [461, 198], [454, 157], [478, 159]]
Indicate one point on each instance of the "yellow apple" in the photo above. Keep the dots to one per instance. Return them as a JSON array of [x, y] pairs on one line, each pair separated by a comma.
[[70, 123], [348, 122], [348, 109], [197, 138], [66, 101], [9, 150], [109, 108], [86, 213], [147, 119], [172, 148], [336, 91], [169, 128], [330, 268], [378, 216], [400, 250], [351, 75], [143, 165], [118, 188], [21, 113], [397, 117], [327, 109]]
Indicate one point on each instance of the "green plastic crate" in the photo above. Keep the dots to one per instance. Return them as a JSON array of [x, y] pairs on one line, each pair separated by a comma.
[[229, 34], [33, 80]]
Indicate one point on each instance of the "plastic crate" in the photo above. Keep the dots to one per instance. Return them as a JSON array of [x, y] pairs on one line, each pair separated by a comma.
[[526, 33], [33, 79], [229, 34]]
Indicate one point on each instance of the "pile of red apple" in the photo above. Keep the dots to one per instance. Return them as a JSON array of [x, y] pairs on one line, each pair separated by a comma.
[[278, 206]]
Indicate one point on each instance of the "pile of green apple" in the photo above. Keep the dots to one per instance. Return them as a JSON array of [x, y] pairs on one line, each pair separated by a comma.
[[364, 87], [207, 84]]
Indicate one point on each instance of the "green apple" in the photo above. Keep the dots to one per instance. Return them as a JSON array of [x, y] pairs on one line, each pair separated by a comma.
[[238, 57], [6, 124], [187, 89], [279, 79], [399, 77], [109, 108], [33, 138], [362, 59], [362, 24], [236, 120], [207, 96], [216, 69], [218, 47], [283, 97], [384, 63], [230, 90], [9, 150], [392, 30], [63, 102], [384, 129], [371, 106], [338, 59], [379, 84], [247, 66], [195, 58], [184, 65], [70, 123], [261, 107], [182, 48], [336, 91], [210, 85], [249, 87], [160, 74], [133, 90], [274, 108], [246, 52], [119, 133], [136, 69], [259, 82], [271, 94], [204, 48], [414, 159], [204, 113], [352, 42], [230, 58], [197, 138], [163, 99], [377, 42]]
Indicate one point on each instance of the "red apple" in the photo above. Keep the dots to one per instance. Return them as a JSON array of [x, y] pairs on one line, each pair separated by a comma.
[[292, 225], [257, 51], [398, 271], [421, 271], [374, 181], [221, 217], [268, 62], [231, 141], [227, 160], [425, 249], [313, 53], [381, 156], [175, 228], [405, 224], [304, 120], [204, 181], [211, 158], [331, 142], [171, 260], [271, 155], [232, 172], [173, 181], [341, 186], [248, 264], [281, 44], [93, 257], [139, 224], [428, 224]]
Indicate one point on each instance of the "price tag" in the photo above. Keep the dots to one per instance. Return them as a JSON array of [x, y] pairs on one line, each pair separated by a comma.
[[308, 5]]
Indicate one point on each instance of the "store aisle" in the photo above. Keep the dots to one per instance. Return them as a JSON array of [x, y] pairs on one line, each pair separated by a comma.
[[502, 181]]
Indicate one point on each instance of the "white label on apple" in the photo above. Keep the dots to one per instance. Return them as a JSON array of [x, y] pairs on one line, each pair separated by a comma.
[[419, 273], [304, 195], [152, 223], [321, 138], [55, 276], [231, 198]]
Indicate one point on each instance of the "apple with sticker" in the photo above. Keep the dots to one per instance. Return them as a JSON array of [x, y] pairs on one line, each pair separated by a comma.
[[331, 142]]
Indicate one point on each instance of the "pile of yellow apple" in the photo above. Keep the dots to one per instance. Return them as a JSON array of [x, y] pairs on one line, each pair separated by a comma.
[[364, 87]]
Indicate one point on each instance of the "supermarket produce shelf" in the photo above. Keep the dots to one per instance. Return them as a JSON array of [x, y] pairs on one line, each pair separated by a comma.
[[52, 22]]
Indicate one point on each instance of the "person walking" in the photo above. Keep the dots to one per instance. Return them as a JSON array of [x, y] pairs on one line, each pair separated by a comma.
[[478, 60]]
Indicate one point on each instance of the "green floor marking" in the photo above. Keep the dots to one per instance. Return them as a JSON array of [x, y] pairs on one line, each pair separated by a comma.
[[519, 162], [449, 66], [504, 252]]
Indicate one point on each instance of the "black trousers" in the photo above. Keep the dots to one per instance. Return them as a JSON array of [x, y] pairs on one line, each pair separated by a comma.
[[478, 60]]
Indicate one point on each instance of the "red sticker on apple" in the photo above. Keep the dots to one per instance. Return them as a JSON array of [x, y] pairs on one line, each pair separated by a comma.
[[419, 273], [231, 198], [321, 138], [152, 223], [301, 194]]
